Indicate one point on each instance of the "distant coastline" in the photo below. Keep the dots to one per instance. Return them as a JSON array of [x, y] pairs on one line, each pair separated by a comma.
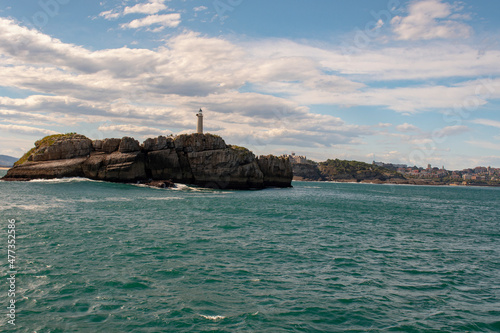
[[389, 183], [343, 171]]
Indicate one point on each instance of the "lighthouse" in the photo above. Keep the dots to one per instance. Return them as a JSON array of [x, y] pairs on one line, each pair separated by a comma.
[[199, 126]]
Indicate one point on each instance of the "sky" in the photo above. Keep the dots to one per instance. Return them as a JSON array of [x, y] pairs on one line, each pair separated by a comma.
[[413, 82]]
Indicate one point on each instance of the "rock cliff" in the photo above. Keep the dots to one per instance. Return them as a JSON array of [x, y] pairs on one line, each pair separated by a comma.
[[302, 171], [199, 159], [276, 170]]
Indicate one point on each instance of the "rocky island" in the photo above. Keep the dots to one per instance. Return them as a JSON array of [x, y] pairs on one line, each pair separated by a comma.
[[198, 159]]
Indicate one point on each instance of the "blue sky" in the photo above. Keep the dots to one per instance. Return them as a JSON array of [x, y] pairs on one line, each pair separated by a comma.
[[412, 82]]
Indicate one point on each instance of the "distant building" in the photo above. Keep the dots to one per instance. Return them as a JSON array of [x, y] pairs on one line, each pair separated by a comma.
[[391, 166], [442, 173], [297, 159], [478, 170]]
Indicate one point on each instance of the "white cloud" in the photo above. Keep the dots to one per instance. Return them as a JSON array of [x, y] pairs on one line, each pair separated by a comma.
[[484, 144], [407, 128], [432, 61], [127, 128], [150, 7], [430, 19], [195, 66], [487, 122], [147, 90], [26, 130], [165, 20], [451, 131], [110, 15], [200, 8]]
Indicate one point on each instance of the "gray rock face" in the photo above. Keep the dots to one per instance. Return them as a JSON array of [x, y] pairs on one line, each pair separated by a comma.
[[221, 168], [307, 172], [109, 145], [97, 145], [165, 164], [277, 170], [78, 146], [158, 143], [128, 145], [47, 169], [116, 167], [200, 159], [198, 142]]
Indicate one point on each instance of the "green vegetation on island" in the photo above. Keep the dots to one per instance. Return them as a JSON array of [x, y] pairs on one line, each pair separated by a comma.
[[353, 170], [47, 141], [340, 170]]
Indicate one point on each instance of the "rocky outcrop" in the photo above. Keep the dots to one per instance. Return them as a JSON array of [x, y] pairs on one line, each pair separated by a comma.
[[165, 164], [198, 142], [277, 171], [76, 146], [159, 143], [107, 145], [221, 168], [302, 171], [47, 169], [200, 159], [129, 145], [115, 167]]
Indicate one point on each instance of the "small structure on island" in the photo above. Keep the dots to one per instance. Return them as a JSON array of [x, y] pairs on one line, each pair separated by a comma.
[[199, 126]]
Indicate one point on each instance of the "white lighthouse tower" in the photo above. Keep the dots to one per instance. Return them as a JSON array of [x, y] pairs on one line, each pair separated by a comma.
[[199, 126]]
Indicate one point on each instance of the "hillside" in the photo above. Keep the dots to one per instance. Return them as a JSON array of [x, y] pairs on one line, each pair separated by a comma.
[[340, 170], [343, 171], [7, 161]]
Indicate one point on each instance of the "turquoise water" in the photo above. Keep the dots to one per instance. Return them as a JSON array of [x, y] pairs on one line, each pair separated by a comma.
[[320, 257]]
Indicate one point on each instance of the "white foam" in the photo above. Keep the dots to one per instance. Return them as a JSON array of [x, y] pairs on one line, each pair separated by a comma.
[[31, 207], [64, 180], [118, 199], [214, 318], [184, 187], [163, 198], [86, 200], [201, 190]]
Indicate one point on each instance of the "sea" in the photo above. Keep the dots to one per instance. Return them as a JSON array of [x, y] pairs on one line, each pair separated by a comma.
[[93, 256]]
